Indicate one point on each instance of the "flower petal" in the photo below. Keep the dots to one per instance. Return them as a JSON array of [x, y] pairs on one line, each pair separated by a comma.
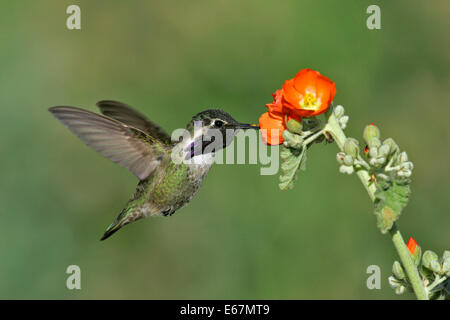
[[412, 244], [291, 97], [326, 90], [276, 105], [305, 81], [271, 129]]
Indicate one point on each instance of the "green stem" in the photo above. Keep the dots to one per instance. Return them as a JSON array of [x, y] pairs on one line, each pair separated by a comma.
[[436, 282], [335, 130], [313, 137], [338, 135], [408, 264]]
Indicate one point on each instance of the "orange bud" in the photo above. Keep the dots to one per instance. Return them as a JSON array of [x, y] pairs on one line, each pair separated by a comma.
[[412, 244], [366, 150]]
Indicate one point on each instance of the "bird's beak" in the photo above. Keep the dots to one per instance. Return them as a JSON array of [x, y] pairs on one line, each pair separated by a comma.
[[247, 126]]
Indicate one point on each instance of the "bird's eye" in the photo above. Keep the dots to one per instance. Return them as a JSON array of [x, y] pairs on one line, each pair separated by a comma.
[[218, 123]]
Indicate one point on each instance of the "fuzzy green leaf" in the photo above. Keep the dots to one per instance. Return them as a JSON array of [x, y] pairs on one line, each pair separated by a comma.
[[291, 161], [390, 199]]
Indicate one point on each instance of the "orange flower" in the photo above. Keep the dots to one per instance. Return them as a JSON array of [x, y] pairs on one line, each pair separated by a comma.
[[412, 245], [276, 120], [308, 94], [272, 126]]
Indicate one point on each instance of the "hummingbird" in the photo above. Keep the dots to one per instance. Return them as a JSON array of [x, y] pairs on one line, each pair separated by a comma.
[[130, 139]]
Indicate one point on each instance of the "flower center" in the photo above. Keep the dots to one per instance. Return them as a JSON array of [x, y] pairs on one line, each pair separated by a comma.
[[309, 99], [310, 102]]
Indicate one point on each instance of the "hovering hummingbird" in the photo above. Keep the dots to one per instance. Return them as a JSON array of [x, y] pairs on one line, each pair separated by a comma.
[[131, 140]]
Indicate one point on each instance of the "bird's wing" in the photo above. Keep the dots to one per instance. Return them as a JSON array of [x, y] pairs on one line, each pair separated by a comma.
[[125, 114], [125, 145]]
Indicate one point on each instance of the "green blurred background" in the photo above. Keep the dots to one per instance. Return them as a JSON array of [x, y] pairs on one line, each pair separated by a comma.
[[241, 237]]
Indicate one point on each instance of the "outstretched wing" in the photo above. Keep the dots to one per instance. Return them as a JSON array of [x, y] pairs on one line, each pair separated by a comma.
[[125, 145], [125, 114]]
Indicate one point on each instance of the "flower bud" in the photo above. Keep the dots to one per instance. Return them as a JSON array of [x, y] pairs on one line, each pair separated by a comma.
[[346, 169], [348, 160], [384, 150], [351, 147], [371, 131], [397, 270], [366, 150], [393, 282], [400, 290], [380, 161], [343, 122], [373, 152], [406, 166], [393, 146], [382, 176], [396, 285], [446, 263], [294, 126], [415, 250], [292, 140], [404, 173], [340, 157], [374, 143], [430, 261], [377, 162], [338, 111], [403, 157]]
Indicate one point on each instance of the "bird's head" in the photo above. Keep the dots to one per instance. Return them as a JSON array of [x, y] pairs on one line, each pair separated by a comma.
[[212, 130]]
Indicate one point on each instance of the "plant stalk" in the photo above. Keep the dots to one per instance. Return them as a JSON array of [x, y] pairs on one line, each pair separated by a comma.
[[408, 264], [335, 130]]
